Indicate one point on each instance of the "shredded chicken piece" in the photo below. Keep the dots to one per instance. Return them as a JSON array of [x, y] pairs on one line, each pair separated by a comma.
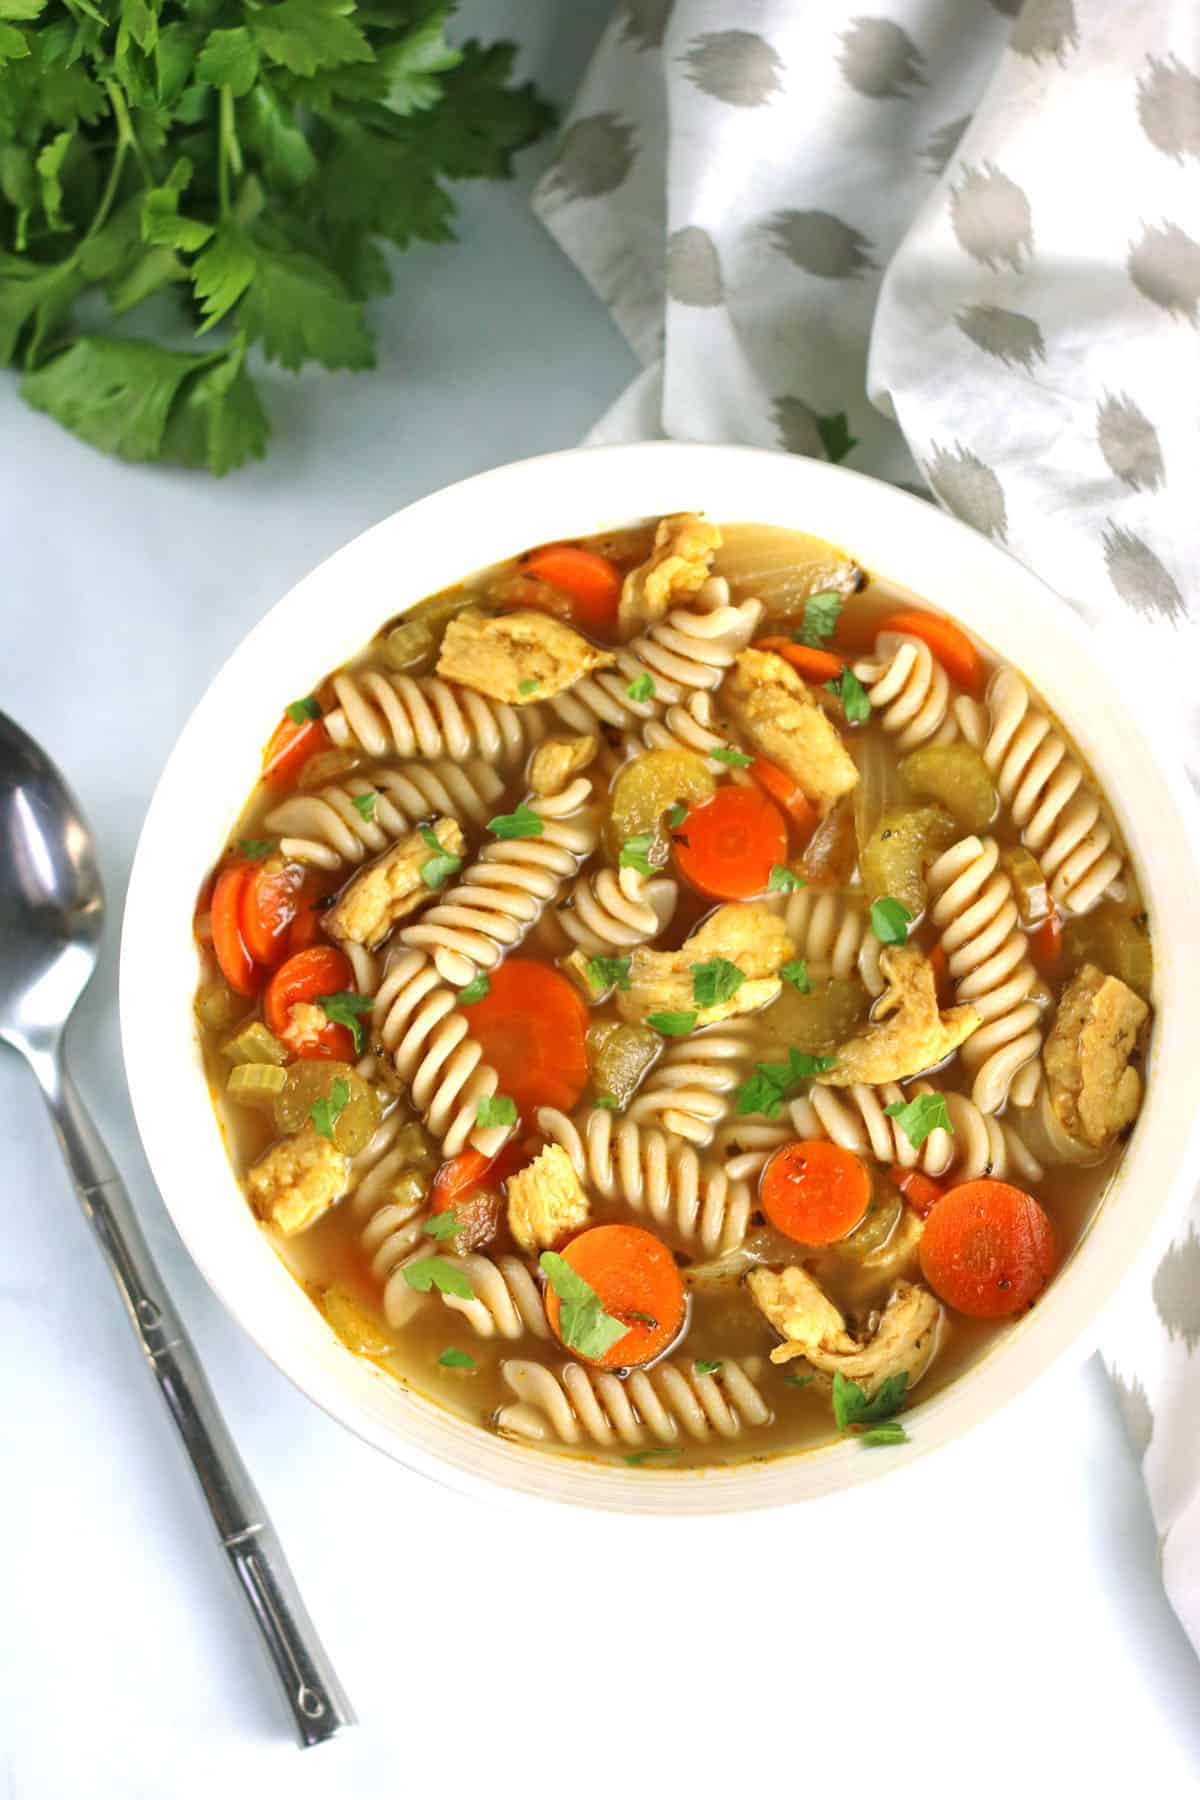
[[677, 567], [298, 1180], [391, 887], [903, 1342], [546, 1201], [554, 762], [764, 696], [516, 657], [305, 1024], [907, 1033], [747, 933], [1094, 1089]]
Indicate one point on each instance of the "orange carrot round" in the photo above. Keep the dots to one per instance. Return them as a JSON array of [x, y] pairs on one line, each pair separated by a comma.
[[636, 1281], [532, 1026], [919, 1189], [950, 645], [302, 980], [790, 795], [813, 664], [1046, 944], [592, 582], [270, 902], [289, 748], [815, 1191], [988, 1249], [233, 955], [727, 846]]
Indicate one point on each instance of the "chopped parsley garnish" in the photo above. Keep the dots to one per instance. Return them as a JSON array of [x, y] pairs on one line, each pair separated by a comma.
[[443, 1225], [919, 1116], [326, 1113], [529, 686], [676, 816], [772, 1083], [783, 881], [853, 696], [715, 981], [799, 1381], [704, 1366], [364, 805], [851, 1406], [635, 853], [300, 711], [524, 823], [733, 759], [821, 614], [477, 989], [254, 849], [441, 865], [609, 971], [607, 1101], [796, 975], [496, 1109], [890, 921], [430, 1272], [672, 1024], [639, 1457], [456, 1359], [891, 1433], [641, 688], [583, 1324], [349, 1010]]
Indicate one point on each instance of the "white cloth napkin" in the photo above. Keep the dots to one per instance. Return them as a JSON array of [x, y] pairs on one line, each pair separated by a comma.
[[972, 227]]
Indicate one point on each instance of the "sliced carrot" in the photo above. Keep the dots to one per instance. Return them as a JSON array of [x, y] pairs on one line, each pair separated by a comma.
[[1046, 944], [727, 846], [815, 1191], [636, 1281], [950, 645], [813, 664], [233, 956], [532, 1026], [920, 1190], [289, 748], [469, 1186], [988, 1249], [270, 902], [301, 981], [592, 581], [790, 795], [305, 928]]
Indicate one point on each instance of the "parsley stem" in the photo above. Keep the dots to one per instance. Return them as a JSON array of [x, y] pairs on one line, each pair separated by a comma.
[[229, 151], [125, 139]]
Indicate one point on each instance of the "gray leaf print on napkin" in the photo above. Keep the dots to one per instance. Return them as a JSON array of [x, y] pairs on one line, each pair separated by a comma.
[[879, 59], [595, 156], [797, 425], [1129, 442], [1008, 335], [1008, 8], [1141, 580], [693, 268], [644, 22], [1164, 265], [1045, 28], [944, 143], [968, 488], [991, 218], [821, 244], [738, 67], [1169, 107], [1136, 1412], [1176, 1290]]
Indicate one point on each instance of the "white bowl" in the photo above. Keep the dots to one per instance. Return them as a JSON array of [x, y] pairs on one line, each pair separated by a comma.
[[429, 546]]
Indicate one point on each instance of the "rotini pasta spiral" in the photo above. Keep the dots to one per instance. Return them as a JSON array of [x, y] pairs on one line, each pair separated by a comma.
[[392, 1233], [617, 909], [508, 1302], [505, 890], [973, 906], [687, 650], [1044, 787], [689, 726], [663, 1405], [651, 1175], [423, 716], [689, 1089], [328, 829], [420, 1024], [910, 691], [832, 934]]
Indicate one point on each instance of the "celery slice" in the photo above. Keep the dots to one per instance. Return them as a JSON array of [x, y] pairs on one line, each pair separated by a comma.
[[256, 1084], [255, 1044]]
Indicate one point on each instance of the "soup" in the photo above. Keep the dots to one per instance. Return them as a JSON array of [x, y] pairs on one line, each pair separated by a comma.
[[675, 997]]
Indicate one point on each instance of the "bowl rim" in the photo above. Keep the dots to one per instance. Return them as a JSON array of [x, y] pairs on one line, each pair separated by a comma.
[[562, 490]]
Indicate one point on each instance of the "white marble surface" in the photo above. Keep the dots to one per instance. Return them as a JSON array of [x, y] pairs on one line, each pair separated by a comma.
[[991, 1618]]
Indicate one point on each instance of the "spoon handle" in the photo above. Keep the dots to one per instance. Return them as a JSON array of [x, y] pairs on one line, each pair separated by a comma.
[[318, 1704]]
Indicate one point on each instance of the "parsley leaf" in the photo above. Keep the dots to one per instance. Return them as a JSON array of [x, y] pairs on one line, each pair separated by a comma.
[[609, 971], [607, 1101], [892, 1433], [821, 614], [772, 1083], [715, 981], [496, 1109], [299, 711], [672, 1024], [364, 805], [307, 35], [437, 871], [783, 881], [635, 854], [443, 1225], [851, 1406], [890, 921], [583, 1324], [733, 759], [476, 989], [345, 1009], [430, 1272], [799, 1381], [706, 1367], [524, 823], [326, 1113], [796, 975], [676, 816], [639, 1457], [641, 688], [920, 1115], [853, 696], [833, 430], [256, 848], [456, 1359], [529, 686]]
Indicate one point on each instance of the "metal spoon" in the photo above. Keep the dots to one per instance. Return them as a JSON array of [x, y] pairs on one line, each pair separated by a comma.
[[51, 911]]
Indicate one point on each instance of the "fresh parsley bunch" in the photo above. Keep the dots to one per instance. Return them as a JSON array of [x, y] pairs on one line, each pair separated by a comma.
[[249, 157]]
